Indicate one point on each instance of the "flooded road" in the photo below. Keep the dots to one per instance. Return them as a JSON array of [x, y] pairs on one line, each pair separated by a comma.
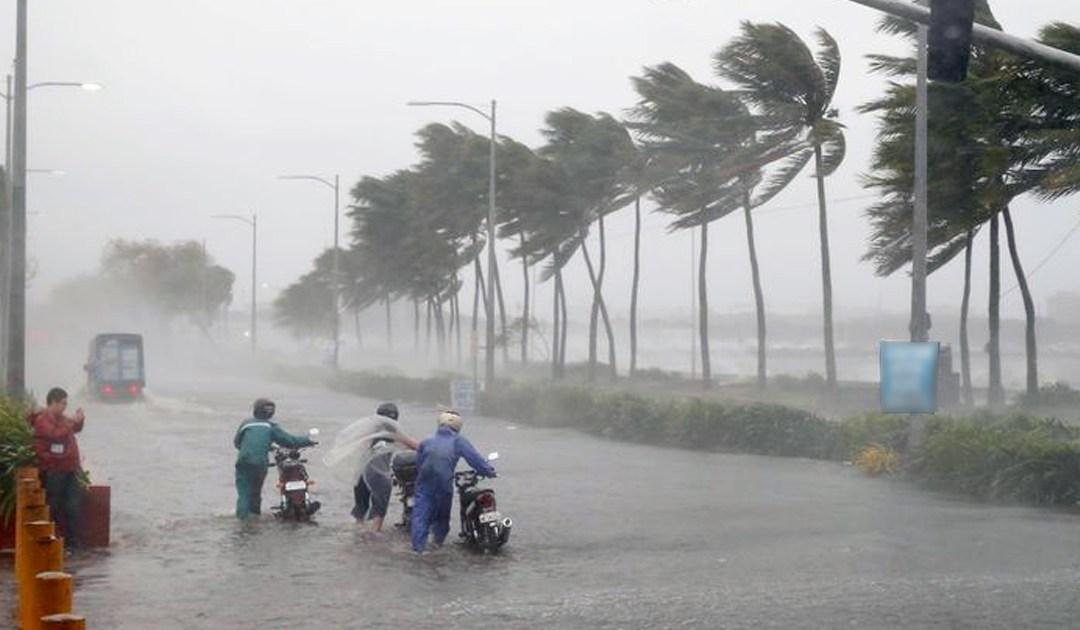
[[607, 535]]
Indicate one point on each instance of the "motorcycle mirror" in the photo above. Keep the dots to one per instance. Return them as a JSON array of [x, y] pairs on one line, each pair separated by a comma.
[[314, 433], [493, 456]]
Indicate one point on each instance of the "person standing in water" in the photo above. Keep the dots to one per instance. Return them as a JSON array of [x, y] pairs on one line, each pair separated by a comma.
[[372, 491]]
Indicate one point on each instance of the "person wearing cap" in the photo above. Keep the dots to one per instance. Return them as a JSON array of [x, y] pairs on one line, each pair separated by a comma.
[[253, 440], [436, 459], [371, 493]]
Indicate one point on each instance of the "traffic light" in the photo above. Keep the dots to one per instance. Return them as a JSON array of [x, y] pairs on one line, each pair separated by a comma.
[[950, 39]]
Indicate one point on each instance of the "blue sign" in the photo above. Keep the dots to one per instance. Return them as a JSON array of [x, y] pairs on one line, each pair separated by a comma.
[[909, 376]]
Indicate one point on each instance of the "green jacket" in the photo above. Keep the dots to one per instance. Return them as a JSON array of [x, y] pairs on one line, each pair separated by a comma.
[[254, 437]]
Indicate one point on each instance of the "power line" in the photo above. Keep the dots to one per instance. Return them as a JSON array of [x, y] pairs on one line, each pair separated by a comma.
[[1045, 260]]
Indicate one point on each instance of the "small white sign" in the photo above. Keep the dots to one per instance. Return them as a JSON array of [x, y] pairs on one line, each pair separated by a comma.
[[463, 396]]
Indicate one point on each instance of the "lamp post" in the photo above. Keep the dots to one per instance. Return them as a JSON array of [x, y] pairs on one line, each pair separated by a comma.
[[336, 271], [254, 223], [489, 350]]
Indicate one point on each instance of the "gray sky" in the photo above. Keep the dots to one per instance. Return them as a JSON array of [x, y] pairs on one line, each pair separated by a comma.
[[207, 101]]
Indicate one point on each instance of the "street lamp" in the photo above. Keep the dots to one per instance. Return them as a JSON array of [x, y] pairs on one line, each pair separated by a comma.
[[253, 222], [489, 351], [335, 272]]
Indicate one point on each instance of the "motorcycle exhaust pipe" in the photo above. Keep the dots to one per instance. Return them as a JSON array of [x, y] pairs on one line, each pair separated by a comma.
[[507, 523]]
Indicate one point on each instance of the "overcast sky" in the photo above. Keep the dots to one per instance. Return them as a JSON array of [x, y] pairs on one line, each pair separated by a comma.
[[207, 101]]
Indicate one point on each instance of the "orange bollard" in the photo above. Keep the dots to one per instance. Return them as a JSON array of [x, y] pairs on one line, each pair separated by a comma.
[[46, 553], [64, 622], [52, 597], [28, 495]]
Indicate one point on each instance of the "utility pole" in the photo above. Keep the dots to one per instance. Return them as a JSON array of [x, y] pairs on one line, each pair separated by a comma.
[[5, 230], [16, 364], [337, 272]]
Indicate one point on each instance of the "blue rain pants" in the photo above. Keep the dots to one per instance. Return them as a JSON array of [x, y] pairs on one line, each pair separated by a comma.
[[431, 513]]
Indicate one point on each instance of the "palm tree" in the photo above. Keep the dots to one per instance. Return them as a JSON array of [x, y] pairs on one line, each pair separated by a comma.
[[693, 134], [1008, 130], [705, 147], [592, 152], [793, 89]]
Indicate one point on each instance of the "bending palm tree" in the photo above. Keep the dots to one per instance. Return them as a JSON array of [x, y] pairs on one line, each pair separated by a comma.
[[793, 89]]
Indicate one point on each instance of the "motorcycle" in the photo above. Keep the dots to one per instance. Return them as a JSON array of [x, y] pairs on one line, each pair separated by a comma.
[[403, 466], [293, 484], [483, 527]]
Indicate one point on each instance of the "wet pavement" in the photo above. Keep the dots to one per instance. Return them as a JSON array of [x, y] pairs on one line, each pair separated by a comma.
[[607, 535]]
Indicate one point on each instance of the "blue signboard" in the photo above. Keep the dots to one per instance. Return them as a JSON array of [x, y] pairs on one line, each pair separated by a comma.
[[909, 376]]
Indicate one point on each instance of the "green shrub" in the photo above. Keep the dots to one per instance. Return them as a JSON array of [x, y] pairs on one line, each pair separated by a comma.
[[16, 450], [1014, 457], [1053, 395]]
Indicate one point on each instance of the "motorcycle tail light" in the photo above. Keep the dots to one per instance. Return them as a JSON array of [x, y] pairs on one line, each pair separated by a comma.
[[486, 501]]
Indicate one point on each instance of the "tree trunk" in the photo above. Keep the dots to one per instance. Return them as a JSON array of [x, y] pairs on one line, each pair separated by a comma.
[[634, 287], [555, 329], [599, 308], [565, 323], [703, 306], [440, 330], [997, 390], [427, 325], [826, 271], [525, 318], [359, 331], [759, 296], [457, 323], [594, 311], [612, 370], [1029, 309], [416, 325], [389, 326], [965, 348]]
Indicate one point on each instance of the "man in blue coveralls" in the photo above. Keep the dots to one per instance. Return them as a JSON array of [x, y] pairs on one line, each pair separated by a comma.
[[436, 459]]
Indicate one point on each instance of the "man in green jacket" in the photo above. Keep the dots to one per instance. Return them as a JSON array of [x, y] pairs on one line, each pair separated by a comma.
[[253, 440]]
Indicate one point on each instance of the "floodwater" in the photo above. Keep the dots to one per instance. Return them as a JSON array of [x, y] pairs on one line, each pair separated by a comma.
[[607, 535]]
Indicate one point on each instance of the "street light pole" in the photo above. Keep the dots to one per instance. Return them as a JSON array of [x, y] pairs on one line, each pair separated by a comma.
[[254, 223], [336, 258], [489, 350], [13, 219], [489, 356], [16, 325]]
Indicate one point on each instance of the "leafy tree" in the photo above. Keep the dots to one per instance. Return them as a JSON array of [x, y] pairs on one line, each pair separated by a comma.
[[174, 280]]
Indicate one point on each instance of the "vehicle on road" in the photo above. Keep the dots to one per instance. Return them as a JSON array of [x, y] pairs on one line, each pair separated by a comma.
[[116, 368], [403, 465], [293, 484], [483, 527]]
